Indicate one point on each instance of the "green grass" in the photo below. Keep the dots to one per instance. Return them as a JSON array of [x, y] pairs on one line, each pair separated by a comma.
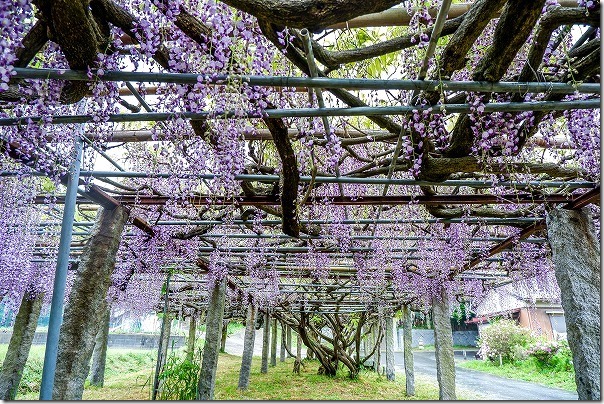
[[525, 370], [128, 374]]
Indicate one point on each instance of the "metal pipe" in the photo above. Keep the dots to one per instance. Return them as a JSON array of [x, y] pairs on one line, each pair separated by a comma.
[[315, 112], [58, 294], [472, 220], [334, 180], [318, 82], [441, 17]]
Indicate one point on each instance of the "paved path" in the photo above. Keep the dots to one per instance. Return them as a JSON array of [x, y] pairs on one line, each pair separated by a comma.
[[490, 386]]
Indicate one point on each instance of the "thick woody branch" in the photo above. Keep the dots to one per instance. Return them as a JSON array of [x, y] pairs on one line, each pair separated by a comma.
[[311, 14]]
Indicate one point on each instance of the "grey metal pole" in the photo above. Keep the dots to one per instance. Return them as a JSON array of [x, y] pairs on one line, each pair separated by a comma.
[[316, 112], [311, 82], [56, 306]]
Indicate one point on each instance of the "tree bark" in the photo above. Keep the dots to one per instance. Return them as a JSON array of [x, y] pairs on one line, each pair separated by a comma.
[[408, 353], [288, 339], [24, 330], [389, 348], [225, 329], [265, 343], [248, 348], [313, 14], [274, 343], [576, 256], [282, 353], [99, 355], [191, 338], [215, 314], [81, 320], [298, 361], [443, 343]]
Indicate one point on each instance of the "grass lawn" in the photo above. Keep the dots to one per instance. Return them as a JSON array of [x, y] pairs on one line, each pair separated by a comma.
[[525, 370], [129, 373]]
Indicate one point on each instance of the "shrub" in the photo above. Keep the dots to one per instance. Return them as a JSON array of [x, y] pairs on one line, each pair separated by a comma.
[[502, 338], [552, 355], [178, 380]]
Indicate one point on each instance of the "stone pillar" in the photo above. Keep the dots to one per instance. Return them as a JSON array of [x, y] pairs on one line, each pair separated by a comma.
[[407, 351], [211, 346], [88, 292], [576, 256], [248, 348], [225, 328], [191, 338], [99, 355], [24, 331], [265, 343], [443, 343], [389, 347], [274, 343]]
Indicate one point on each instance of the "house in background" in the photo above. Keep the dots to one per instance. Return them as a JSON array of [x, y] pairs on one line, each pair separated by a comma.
[[534, 305]]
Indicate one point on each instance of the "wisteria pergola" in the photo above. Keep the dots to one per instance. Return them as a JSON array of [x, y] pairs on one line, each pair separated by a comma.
[[252, 158]]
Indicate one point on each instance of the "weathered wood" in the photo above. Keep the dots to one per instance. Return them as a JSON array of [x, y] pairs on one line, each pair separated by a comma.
[[313, 14], [288, 339], [24, 330], [248, 348], [265, 343], [191, 337], [282, 353], [576, 256], [215, 314], [88, 292], [290, 175], [99, 355], [274, 343], [389, 324], [407, 351], [298, 361], [443, 344]]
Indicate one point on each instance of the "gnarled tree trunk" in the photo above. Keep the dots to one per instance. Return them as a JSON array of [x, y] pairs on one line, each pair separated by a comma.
[[207, 374], [576, 256], [283, 343], [24, 331], [82, 318]]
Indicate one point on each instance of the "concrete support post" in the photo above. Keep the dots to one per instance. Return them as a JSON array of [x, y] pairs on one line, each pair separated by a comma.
[[248, 348], [24, 330], [211, 346], [265, 343], [88, 293], [576, 256], [443, 343], [274, 343], [389, 347], [407, 351], [99, 355]]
